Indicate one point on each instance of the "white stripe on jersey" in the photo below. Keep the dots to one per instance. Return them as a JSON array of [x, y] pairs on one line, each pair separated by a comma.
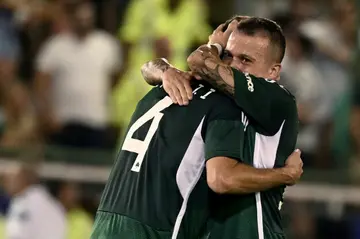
[[264, 157], [191, 167]]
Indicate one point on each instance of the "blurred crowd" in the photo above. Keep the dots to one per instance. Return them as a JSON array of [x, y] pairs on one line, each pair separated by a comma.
[[56, 74], [33, 211], [70, 74]]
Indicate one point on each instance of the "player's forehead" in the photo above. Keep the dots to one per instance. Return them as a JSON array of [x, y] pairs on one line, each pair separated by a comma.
[[243, 44]]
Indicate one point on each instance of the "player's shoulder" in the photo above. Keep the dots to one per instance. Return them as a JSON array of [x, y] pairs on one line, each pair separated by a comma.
[[203, 90], [154, 94], [216, 102], [280, 92], [271, 86], [276, 87], [283, 100]]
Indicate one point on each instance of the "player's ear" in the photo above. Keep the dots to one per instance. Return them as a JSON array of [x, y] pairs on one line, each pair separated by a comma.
[[275, 72]]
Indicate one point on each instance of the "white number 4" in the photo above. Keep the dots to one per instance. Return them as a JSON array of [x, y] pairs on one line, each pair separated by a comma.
[[140, 147]]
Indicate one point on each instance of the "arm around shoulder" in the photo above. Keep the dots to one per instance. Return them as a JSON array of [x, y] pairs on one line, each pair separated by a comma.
[[205, 63]]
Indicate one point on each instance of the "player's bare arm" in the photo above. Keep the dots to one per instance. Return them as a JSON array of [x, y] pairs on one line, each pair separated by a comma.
[[213, 70], [206, 63], [153, 71], [228, 176], [175, 82], [210, 66]]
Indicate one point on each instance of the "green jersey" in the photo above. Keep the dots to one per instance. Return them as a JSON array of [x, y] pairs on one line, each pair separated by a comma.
[[158, 178], [270, 137]]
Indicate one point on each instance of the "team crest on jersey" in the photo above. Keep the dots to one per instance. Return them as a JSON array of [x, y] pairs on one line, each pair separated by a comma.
[[250, 84]]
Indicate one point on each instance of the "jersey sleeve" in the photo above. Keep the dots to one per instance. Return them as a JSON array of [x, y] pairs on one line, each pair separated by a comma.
[[263, 101], [224, 138]]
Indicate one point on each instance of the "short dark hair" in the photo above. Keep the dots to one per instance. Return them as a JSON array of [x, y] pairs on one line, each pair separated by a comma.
[[238, 18], [257, 25]]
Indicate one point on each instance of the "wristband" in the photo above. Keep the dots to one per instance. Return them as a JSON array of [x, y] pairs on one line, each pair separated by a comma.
[[218, 47]]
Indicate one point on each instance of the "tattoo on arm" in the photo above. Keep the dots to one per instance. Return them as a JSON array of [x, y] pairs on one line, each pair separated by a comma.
[[218, 75], [212, 70], [153, 70]]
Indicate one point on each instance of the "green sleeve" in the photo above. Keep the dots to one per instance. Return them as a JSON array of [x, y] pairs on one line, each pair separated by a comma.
[[224, 138], [264, 101]]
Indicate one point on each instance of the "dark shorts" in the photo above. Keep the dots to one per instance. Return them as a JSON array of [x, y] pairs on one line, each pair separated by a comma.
[[115, 226], [219, 232]]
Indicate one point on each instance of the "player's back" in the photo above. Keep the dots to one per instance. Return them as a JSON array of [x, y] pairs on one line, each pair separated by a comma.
[[158, 176]]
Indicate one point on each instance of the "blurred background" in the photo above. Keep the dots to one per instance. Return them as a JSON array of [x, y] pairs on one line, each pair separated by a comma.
[[70, 79]]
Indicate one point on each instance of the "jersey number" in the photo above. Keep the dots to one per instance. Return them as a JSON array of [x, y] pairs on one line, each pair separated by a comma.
[[140, 147]]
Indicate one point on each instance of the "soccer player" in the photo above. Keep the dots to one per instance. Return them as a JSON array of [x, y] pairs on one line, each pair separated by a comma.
[[158, 187], [256, 46]]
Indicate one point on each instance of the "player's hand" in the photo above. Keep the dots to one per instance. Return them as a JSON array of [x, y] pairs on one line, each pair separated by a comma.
[[177, 84], [220, 37], [294, 167]]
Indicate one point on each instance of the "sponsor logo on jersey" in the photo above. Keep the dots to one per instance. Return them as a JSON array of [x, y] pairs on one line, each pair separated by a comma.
[[250, 84]]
